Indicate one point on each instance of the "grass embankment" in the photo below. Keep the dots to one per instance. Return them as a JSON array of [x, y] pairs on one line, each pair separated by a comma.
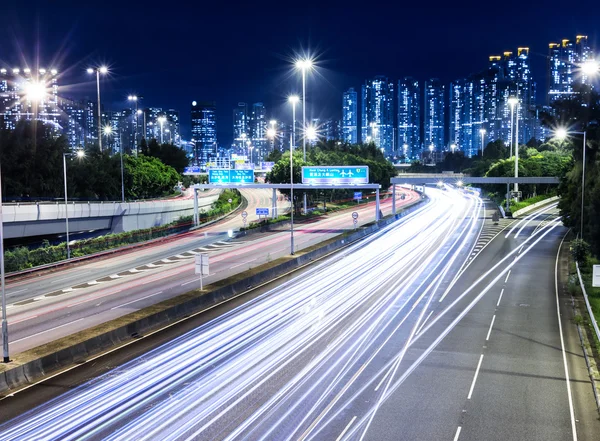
[[21, 258]]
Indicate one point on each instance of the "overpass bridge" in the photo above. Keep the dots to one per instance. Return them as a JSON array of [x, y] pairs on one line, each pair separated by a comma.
[[455, 178]]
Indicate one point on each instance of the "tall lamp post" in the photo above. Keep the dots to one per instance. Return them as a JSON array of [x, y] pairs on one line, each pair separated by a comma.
[[99, 70], [144, 128], [563, 134], [108, 132], [482, 132], [293, 99], [515, 102], [80, 154], [161, 120], [291, 194], [135, 99], [4, 319], [304, 65]]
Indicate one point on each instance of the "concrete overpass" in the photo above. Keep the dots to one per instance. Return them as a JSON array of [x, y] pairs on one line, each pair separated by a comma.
[[454, 178], [41, 219]]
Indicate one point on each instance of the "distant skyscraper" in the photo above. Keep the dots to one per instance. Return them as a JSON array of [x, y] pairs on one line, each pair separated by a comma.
[[258, 132], [331, 130], [204, 131], [173, 127], [74, 112], [350, 116], [564, 60], [409, 117], [240, 125], [378, 114], [434, 116]]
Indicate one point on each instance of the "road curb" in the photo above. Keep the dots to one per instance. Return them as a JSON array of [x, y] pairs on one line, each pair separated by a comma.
[[32, 365]]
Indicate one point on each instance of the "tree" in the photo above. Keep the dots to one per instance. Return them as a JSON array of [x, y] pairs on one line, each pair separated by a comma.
[[169, 154], [148, 177]]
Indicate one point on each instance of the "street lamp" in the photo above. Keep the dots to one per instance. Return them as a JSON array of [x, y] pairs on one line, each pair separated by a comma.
[[590, 67], [562, 134], [291, 193], [98, 70], [453, 147], [79, 154], [311, 133], [108, 131], [514, 101], [140, 112], [161, 120], [304, 65], [293, 99], [4, 319], [482, 132], [134, 98], [431, 147]]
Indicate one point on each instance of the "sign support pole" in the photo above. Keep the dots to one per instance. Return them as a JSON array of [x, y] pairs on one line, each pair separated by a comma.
[[274, 209], [394, 199], [196, 217], [377, 205]]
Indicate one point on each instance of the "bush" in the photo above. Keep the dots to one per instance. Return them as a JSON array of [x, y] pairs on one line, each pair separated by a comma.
[[580, 250]]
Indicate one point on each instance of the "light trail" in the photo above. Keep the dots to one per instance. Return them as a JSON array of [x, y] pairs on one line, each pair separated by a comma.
[[279, 365]]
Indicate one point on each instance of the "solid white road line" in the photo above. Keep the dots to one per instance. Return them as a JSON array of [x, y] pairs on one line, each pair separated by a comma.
[[346, 429], [15, 292], [475, 377], [424, 321], [137, 300], [507, 276], [458, 429], [47, 330], [500, 298], [490, 330], [562, 344]]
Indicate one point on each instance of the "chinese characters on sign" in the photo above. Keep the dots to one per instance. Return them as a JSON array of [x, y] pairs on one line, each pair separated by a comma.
[[335, 175]]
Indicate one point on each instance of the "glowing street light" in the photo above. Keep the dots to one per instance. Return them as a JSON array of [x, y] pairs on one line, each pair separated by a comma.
[[35, 91], [513, 101], [311, 133], [482, 132], [98, 70], [562, 134], [590, 67], [271, 133], [452, 147], [304, 64], [80, 154]]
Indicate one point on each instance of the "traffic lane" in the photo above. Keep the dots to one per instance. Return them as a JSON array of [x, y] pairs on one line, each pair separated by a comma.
[[461, 348], [23, 290], [522, 387], [35, 324]]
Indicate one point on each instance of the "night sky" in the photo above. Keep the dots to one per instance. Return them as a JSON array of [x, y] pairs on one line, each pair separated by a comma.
[[173, 52]]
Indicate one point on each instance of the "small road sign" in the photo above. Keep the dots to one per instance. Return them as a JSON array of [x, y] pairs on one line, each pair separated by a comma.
[[596, 276], [354, 215], [244, 214], [262, 211]]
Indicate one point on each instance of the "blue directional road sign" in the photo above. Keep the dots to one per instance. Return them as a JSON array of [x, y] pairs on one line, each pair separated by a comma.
[[358, 195], [358, 174], [262, 211], [219, 176], [241, 176], [195, 170], [227, 176]]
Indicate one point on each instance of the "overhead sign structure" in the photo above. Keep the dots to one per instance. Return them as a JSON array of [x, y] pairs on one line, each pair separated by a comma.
[[243, 165], [358, 174], [227, 176], [194, 170], [596, 277], [262, 211]]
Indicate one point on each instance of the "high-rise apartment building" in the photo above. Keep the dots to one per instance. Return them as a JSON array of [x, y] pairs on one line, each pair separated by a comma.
[[564, 66], [434, 111], [257, 125], [409, 118], [350, 116], [378, 114], [204, 131], [29, 94], [240, 125]]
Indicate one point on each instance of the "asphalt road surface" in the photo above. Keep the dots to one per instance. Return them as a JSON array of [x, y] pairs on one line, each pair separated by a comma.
[[442, 326], [51, 306]]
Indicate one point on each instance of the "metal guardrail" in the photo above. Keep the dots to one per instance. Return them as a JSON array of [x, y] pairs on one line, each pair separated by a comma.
[[587, 303]]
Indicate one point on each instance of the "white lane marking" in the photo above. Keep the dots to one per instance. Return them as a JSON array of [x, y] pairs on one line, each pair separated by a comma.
[[137, 300], [424, 321], [475, 377], [191, 281], [382, 380], [562, 344], [243, 263], [458, 429], [47, 330], [346, 429], [500, 298], [520, 249], [16, 292], [507, 276], [490, 330]]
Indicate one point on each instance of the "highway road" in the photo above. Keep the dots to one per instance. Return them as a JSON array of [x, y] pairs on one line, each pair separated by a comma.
[[442, 326], [54, 305]]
